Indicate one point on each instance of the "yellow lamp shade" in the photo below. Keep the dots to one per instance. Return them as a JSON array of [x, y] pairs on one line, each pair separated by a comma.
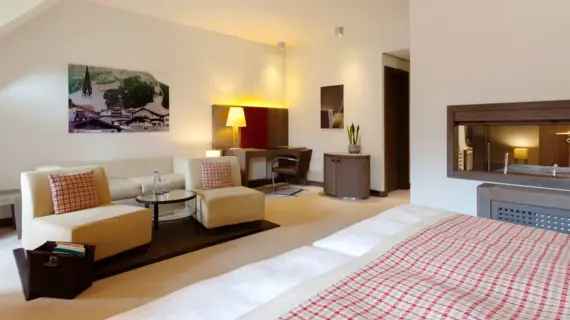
[[236, 117], [521, 153], [213, 153]]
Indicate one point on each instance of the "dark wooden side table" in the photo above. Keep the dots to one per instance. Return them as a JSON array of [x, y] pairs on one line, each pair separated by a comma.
[[13, 198], [347, 175], [173, 196]]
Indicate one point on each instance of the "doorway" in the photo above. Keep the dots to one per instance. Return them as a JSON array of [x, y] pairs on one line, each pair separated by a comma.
[[396, 129]]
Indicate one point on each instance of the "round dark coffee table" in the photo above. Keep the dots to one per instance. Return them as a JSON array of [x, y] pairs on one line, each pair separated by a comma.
[[173, 196]]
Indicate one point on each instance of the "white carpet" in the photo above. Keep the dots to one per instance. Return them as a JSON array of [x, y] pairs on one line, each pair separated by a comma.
[[303, 219]]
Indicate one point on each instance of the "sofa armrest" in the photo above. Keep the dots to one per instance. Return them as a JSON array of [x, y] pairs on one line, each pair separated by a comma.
[[182, 166]]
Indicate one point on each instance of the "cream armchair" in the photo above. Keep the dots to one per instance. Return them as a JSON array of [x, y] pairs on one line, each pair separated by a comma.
[[227, 206], [111, 228]]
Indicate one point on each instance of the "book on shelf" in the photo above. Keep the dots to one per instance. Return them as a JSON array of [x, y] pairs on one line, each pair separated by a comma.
[[68, 252], [69, 248], [57, 243]]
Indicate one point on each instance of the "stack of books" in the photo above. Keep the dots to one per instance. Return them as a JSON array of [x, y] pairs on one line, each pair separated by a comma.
[[70, 249]]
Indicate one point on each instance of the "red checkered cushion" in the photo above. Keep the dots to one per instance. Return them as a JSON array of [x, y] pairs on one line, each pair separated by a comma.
[[216, 175], [74, 191]]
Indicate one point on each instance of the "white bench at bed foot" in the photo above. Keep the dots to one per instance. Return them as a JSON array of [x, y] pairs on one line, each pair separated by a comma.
[[240, 291], [359, 238]]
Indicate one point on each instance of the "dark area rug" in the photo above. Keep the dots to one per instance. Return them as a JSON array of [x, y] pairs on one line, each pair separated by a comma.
[[174, 238], [285, 191]]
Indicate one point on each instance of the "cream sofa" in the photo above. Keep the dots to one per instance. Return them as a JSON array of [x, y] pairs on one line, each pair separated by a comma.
[[112, 228], [227, 206], [129, 178]]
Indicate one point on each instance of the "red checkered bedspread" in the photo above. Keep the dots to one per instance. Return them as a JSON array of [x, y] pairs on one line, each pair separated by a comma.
[[461, 268]]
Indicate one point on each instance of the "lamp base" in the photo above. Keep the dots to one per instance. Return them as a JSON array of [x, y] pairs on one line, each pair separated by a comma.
[[236, 137]]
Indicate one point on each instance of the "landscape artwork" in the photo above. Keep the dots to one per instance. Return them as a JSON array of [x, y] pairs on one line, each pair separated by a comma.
[[332, 107], [114, 100]]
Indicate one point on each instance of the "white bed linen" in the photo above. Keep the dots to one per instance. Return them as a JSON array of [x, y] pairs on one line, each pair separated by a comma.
[[360, 238], [261, 290], [233, 294], [297, 295]]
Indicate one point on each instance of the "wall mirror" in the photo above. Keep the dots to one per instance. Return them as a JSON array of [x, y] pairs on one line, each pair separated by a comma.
[[524, 143]]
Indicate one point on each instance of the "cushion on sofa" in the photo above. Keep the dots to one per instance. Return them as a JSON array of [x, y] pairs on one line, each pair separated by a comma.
[[175, 181], [216, 175], [124, 189], [111, 228], [192, 167], [73, 191], [227, 206]]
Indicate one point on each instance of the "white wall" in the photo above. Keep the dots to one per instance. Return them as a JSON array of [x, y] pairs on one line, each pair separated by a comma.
[[356, 61], [477, 52], [201, 68]]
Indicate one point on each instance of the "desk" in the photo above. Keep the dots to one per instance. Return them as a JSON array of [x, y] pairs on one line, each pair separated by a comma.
[[246, 155]]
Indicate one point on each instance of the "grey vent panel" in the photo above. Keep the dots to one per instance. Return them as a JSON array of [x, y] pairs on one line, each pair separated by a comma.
[[530, 215]]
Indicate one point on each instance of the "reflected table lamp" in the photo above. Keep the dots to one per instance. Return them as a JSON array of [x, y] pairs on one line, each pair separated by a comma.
[[236, 120], [521, 155]]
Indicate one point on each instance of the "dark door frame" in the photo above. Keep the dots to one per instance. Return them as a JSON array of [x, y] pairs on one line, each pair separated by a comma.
[[391, 168]]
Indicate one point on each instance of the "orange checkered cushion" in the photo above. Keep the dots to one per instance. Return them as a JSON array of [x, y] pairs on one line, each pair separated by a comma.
[[216, 175], [74, 191]]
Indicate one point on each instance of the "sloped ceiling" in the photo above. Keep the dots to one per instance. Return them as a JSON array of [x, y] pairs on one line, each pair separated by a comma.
[[271, 21], [265, 21], [14, 13]]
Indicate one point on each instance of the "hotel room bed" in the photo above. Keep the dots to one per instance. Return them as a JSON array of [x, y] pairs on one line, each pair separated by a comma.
[[410, 261]]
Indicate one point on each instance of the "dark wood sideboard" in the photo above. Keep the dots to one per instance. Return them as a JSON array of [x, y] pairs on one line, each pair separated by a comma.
[[347, 175]]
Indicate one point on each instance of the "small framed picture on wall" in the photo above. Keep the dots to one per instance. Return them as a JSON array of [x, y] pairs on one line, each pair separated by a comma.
[[332, 107]]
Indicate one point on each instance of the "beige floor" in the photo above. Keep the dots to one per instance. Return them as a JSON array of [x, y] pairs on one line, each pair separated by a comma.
[[303, 220]]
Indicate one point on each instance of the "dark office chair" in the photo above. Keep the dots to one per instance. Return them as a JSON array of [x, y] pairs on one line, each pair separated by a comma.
[[292, 166]]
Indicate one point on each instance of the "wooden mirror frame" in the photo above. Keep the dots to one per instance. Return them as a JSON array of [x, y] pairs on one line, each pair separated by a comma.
[[521, 113]]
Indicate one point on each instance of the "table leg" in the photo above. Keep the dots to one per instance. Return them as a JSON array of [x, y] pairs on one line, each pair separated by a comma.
[[13, 215], [195, 211], [198, 212], [155, 217]]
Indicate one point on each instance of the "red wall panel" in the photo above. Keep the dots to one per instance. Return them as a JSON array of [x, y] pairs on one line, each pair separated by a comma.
[[256, 134]]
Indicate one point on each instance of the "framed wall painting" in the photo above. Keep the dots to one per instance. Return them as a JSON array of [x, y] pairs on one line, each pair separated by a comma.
[[332, 107], [114, 100]]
